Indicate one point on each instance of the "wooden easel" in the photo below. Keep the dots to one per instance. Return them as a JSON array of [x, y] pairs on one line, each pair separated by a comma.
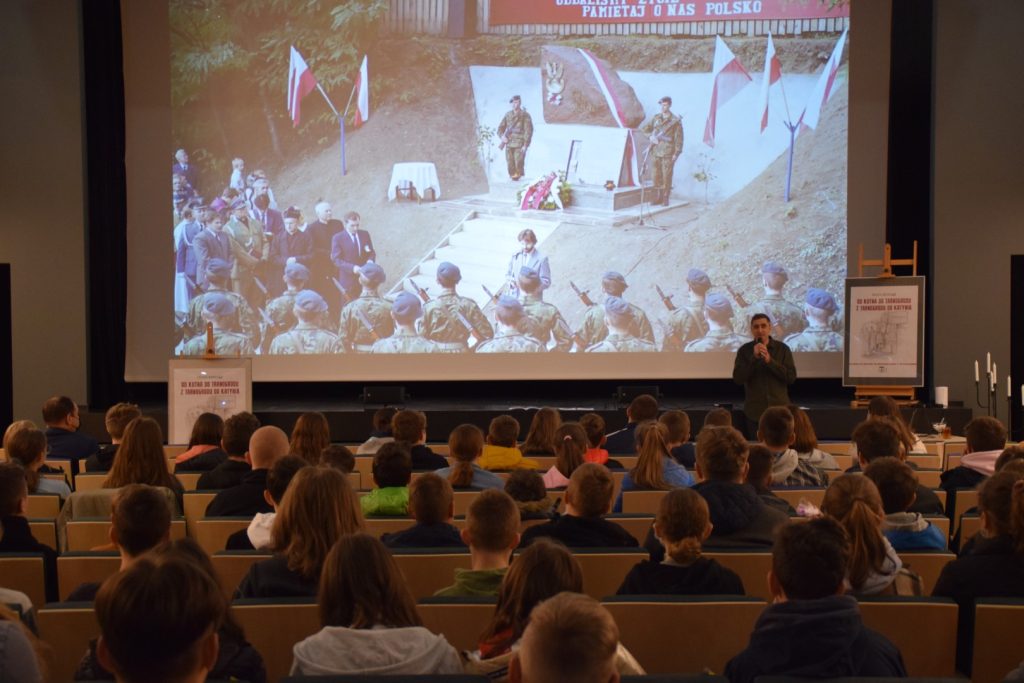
[[903, 395]]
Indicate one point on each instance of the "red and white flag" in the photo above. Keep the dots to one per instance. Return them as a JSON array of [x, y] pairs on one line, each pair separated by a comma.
[[823, 88], [730, 77], [362, 95], [300, 83], [772, 76]]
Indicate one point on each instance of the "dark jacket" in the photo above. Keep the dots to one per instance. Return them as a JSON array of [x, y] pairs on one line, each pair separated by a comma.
[[739, 516], [622, 442], [225, 475], [425, 536], [16, 537], [103, 460], [823, 638], [271, 578], [204, 462], [239, 541], [581, 532], [774, 502], [703, 577], [60, 443], [926, 503], [764, 384], [686, 455], [85, 592], [993, 570], [246, 499], [958, 478], [425, 459]]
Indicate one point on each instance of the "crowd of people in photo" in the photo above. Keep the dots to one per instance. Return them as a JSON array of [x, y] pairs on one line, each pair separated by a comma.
[[165, 610]]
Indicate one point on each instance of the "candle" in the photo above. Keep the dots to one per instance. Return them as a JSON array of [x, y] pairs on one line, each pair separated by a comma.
[[993, 387], [988, 363], [977, 377]]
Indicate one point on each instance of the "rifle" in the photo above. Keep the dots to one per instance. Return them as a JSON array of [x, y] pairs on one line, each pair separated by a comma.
[[739, 297], [584, 297], [259, 284], [564, 326], [492, 295], [666, 298], [267, 320], [341, 290], [419, 290], [366, 323]]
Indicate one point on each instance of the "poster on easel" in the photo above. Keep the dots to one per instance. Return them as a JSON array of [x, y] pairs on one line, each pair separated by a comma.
[[195, 386], [884, 332]]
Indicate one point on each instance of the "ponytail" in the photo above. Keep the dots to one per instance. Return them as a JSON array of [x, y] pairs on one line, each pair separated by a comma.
[[685, 551], [652, 448], [570, 445], [854, 501], [681, 521], [465, 444]]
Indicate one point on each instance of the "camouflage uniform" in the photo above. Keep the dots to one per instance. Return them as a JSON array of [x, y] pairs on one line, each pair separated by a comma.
[[518, 127], [614, 342], [249, 248], [510, 342], [787, 318], [547, 322], [668, 145], [244, 319], [306, 338], [353, 332], [225, 343], [593, 329], [815, 339], [685, 324], [717, 340], [442, 324], [279, 310], [404, 342]]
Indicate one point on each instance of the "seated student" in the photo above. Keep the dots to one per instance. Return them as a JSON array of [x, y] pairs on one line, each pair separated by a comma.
[[760, 461], [266, 446], [339, 457], [465, 446], [410, 428], [500, 452], [656, 469], [431, 505], [677, 423], [28, 448], [879, 438], [805, 441], [318, 508], [117, 418], [886, 408], [258, 535], [588, 497], [540, 439], [641, 409], [897, 487], [986, 439], [492, 533], [381, 433], [995, 567], [15, 533], [776, 431], [681, 526], [65, 441], [1012, 460], [23, 657], [140, 520], [369, 621], [225, 467], [392, 472], [207, 431], [140, 459], [874, 567], [531, 496], [593, 425], [686, 454], [811, 629], [570, 445], [310, 436]]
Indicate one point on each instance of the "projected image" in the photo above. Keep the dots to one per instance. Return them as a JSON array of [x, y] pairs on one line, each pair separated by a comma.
[[348, 179]]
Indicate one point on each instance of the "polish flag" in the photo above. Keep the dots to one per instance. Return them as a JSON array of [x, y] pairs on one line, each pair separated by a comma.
[[730, 77], [300, 83], [772, 75], [823, 88], [362, 95]]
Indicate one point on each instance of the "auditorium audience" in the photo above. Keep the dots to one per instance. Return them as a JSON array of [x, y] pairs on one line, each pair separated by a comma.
[[431, 505], [16, 426], [593, 425], [258, 535], [392, 471], [760, 461], [500, 452], [811, 629], [226, 467], [540, 439], [879, 438], [339, 457], [117, 418], [140, 460], [381, 433], [531, 496], [805, 441], [310, 436], [623, 442], [492, 533], [656, 469], [897, 487], [28, 448], [588, 497], [465, 446], [15, 533], [65, 441], [207, 431], [369, 621], [246, 499], [22, 655], [886, 407], [677, 423], [986, 439], [318, 508], [776, 431], [409, 427], [570, 445]]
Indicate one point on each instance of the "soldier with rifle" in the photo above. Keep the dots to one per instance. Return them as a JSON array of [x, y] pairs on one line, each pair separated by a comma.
[[686, 323], [720, 337], [405, 311], [619, 319], [279, 310], [666, 132], [547, 322], [507, 337], [366, 319], [244, 320], [450, 320], [307, 337], [218, 310], [786, 317], [593, 328], [516, 132]]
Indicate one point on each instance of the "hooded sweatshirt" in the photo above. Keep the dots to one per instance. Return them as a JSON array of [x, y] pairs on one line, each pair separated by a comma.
[[911, 531], [390, 500], [504, 458], [702, 577], [259, 530], [738, 515], [822, 638], [378, 651], [878, 582], [790, 470], [982, 462], [820, 459]]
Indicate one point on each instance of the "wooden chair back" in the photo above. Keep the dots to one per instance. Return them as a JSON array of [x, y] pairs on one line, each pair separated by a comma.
[[87, 534], [604, 570], [642, 502], [195, 503], [751, 565], [67, 629], [459, 620], [76, 568], [428, 572], [43, 506], [212, 532], [998, 624], [24, 572], [928, 564], [793, 496], [44, 531], [924, 630], [232, 567], [274, 627]]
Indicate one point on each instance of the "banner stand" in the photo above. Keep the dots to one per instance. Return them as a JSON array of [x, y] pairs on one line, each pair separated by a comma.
[[205, 385]]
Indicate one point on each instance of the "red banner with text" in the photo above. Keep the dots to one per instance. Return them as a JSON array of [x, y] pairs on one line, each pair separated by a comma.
[[631, 11]]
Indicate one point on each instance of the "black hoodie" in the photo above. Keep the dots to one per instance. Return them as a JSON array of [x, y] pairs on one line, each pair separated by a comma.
[[823, 638], [703, 577]]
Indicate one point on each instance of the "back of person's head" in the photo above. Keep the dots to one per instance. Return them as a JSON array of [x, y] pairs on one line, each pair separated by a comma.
[[492, 521], [266, 446], [677, 423], [682, 524], [13, 488], [571, 638], [238, 431], [339, 457], [14, 427], [465, 444], [207, 430], [886, 408], [392, 465], [804, 438], [503, 431], [310, 436], [590, 490], [853, 501], [317, 509], [430, 499], [409, 426], [593, 425], [896, 483], [985, 434], [382, 419], [525, 486], [643, 407], [810, 559], [760, 461], [541, 436], [117, 418], [570, 445], [775, 428], [140, 518], [21, 656], [651, 449], [1009, 454], [140, 458], [545, 569], [56, 409], [362, 587], [722, 454], [280, 475], [28, 448], [878, 438], [1001, 502], [718, 417], [158, 620]]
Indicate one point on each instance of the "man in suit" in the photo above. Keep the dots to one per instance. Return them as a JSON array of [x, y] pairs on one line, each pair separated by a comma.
[[291, 245], [211, 243], [350, 249], [323, 230], [183, 168], [527, 257], [271, 219]]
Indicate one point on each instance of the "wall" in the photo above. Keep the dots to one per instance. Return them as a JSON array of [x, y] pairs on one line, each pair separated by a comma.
[[42, 232]]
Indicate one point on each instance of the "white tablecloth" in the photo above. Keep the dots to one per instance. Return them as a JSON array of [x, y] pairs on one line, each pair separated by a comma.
[[422, 174]]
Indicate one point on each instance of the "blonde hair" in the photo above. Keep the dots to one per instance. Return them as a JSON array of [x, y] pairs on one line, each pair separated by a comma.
[[15, 427], [681, 520], [853, 500], [652, 448]]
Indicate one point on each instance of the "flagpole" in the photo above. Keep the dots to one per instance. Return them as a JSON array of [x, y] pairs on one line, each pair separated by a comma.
[[789, 166]]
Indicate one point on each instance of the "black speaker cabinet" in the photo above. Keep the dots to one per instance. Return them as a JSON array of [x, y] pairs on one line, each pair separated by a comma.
[[626, 393], [383, 395]]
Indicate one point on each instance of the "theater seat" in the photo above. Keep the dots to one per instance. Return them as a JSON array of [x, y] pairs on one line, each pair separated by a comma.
[[43, 506], [459, 620], [604, 569], [428, 570], [233, 565], [211, 533], [67, 627], [24, 572], [274, 626], [86, 534], [356, 678], [998, 625], [928, 564], [76, 568], [751, 565], [924, 630]]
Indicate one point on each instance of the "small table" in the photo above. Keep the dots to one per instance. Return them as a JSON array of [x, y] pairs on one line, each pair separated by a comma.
[[422, 174]]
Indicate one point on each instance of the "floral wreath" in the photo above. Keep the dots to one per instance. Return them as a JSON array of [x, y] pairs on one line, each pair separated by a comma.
[[548, 192]]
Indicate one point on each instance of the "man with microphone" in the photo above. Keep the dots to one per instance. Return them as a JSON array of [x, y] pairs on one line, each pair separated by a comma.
[[765, 368]]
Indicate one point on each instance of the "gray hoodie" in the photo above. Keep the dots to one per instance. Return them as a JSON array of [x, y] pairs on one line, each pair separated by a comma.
[[392, 651]]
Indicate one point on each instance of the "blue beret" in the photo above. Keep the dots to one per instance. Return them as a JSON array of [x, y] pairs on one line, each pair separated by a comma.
[[218, 304], [309, 301], [515, 98], [407, 306], [718, 304], [774, 268], [618, 310], [612, 276], [698, 278], [218, 268], [529, 275], [296, 271], [509, 308], [373, 273], [449, 272], [819, 298]]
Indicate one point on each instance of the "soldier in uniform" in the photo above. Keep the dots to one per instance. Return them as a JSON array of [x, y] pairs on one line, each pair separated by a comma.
[[818, 335], [687, 322], [593, 329], [250, 249], [666, 132], [619, 321], [307, 337], [787, 318], [405, 311], [367, 318], [507, 337], [720, 337], [515, 131], [450, 319], [218, 309], [279, 310], [244, 320], [547, 321]]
